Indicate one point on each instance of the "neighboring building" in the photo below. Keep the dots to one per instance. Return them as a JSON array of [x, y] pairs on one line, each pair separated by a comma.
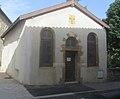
[[55, 45], [4, 24]]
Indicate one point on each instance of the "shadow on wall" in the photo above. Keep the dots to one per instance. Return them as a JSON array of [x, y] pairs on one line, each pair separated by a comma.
[[17, 49], [21, 49]]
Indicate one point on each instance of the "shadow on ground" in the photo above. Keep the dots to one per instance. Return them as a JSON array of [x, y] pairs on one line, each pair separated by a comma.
[[57, 89]]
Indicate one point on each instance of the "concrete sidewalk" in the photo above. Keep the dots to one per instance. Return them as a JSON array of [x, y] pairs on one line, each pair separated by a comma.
[[11, 89]]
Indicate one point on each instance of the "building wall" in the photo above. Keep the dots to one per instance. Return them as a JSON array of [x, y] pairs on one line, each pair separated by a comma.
[[4, 24], [60, 18], [23, 46], [55, 74], [14, 55]]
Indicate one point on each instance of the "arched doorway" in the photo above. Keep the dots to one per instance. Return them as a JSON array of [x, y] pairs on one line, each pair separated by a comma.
[[70, 59]]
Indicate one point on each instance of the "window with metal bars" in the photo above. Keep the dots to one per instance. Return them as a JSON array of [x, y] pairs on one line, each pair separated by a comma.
[[71, 42]]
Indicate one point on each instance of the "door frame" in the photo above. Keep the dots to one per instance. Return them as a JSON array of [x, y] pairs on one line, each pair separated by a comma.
[[77, 62]]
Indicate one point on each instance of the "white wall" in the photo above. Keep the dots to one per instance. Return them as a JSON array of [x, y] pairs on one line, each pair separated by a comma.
[[54, 75], [87, 74], [60, 18], [22, 47], [4, 24], [14, 56]]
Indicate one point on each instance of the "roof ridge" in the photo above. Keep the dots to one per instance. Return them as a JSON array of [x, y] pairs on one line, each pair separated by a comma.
[[63, 5], [46, 10]]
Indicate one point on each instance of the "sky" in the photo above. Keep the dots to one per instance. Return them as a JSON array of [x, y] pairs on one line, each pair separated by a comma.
[[15, 8]]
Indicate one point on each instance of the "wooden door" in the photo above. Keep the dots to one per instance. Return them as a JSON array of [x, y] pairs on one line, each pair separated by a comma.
[[70, 66]]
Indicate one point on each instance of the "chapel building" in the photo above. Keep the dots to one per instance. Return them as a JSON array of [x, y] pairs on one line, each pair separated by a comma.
[[56, 45]]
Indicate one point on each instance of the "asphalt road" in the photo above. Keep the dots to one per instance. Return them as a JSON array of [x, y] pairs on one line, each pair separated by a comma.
[[78, 96], [109, 95], [58, 89], [112, 95], [71, 91]]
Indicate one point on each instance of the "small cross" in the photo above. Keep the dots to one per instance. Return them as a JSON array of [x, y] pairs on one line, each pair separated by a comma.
[[72, 19]]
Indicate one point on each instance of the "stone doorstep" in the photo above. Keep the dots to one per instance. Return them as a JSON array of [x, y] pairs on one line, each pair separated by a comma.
[[74, 93]]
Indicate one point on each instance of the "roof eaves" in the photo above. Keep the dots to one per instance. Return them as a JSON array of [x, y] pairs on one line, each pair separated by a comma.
[[89, 14], [5, 16], [46, 10]]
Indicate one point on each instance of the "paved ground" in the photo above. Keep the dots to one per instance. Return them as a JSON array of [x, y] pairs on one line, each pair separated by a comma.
[[107, 90], [110, 90], [104, 85], [112, 94], [78, 96], [57, 89], [11, 89]]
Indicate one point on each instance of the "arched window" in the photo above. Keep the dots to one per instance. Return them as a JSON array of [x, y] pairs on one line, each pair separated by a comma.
[[92, 50], [71, 42], [46, 48]]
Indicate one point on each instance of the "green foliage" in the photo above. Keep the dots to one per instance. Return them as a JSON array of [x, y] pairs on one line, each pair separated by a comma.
[[113, 36]]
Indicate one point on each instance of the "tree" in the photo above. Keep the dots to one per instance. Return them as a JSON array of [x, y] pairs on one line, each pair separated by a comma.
[[113, 36]]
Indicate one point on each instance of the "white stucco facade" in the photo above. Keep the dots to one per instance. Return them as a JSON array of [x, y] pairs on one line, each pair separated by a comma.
[[4, 24], [60, 19], [21, 52]]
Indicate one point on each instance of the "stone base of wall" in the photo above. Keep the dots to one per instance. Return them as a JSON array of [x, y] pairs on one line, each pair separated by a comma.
[[113, 74]]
